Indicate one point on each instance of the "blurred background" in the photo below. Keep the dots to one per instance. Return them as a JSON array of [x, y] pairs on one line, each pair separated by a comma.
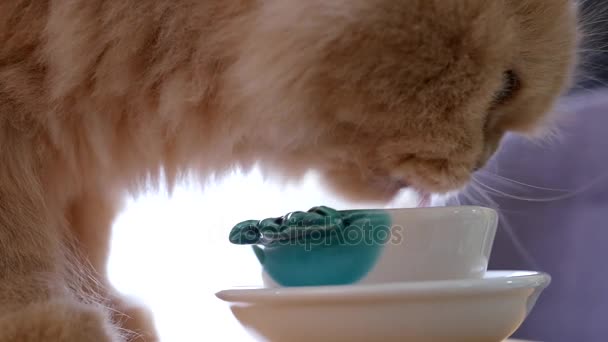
[[552, 196], [172, 252]]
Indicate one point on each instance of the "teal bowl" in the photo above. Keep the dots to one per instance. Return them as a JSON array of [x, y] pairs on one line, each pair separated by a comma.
[[328, 247]]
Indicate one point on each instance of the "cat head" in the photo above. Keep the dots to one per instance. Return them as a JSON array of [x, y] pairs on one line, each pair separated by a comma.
[[381, 95]]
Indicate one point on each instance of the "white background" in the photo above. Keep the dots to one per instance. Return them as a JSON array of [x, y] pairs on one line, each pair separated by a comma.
[[173, 252]]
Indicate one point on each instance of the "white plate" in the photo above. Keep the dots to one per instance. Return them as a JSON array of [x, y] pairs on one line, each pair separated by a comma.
[[484, 310]]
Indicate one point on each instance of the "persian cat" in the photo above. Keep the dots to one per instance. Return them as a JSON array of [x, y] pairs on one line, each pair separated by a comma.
[[99, 97]]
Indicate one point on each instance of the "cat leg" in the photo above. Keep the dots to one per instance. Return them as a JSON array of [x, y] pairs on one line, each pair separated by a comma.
[[91, 216], [37, 300]]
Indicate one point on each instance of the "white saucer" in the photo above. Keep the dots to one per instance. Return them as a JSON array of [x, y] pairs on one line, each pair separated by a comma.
[[484, 310]]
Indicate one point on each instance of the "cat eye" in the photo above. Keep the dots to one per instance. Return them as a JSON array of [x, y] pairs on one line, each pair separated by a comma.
[[510, 85]]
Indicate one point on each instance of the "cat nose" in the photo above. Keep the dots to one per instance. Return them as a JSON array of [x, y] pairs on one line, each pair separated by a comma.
[[484, 158], [480, 164]]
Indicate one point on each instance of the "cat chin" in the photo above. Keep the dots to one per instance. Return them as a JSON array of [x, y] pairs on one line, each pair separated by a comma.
[[361, 193], [381, 191], [385, 198]]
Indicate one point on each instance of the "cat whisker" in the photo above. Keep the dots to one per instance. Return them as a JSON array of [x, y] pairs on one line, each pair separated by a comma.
[[486, 200], [518, 183], [568, 195]]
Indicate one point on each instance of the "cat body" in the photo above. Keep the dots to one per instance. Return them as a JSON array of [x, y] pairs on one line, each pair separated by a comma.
[[99, 98]]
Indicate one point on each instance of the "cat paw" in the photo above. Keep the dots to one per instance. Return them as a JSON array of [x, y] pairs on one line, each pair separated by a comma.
[[58, 321]]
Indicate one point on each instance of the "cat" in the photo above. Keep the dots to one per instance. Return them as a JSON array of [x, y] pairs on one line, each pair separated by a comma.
[[100, 97]]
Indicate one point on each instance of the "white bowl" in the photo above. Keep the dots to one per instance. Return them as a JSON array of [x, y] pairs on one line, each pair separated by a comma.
[[395, 245], [474, 310]]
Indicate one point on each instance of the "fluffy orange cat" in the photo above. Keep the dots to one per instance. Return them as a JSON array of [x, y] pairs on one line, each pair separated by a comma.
[[99, 97]]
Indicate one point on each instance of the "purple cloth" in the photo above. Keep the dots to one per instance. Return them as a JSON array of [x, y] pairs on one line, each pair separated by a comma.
[[564, 233]]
